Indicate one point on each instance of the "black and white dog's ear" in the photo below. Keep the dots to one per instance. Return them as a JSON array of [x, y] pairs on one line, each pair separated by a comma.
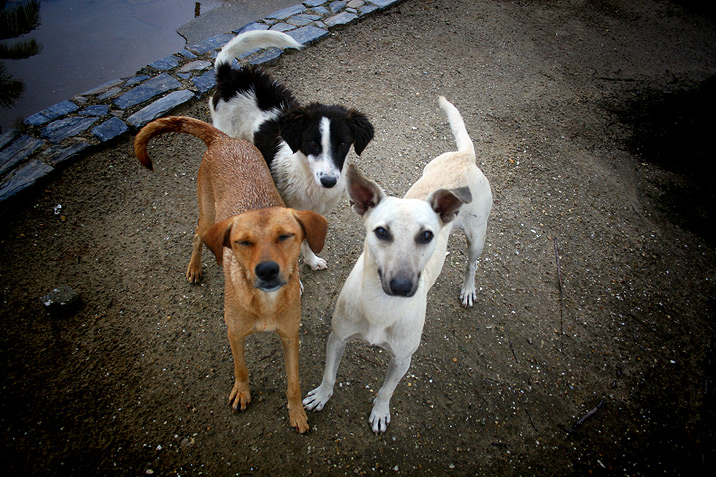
[[361, 128], [446, 203], [364, 194], [291, 126]]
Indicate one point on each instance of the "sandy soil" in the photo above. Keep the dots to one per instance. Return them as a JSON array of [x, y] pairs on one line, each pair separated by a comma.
[[594, 295]]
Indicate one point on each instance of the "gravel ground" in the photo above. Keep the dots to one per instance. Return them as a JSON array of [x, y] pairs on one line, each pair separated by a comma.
[[590, 348]]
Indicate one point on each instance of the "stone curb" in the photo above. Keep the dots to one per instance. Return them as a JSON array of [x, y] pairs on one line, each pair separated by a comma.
[[71, 129]]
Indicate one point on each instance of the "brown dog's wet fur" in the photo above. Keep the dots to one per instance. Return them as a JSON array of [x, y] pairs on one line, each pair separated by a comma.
[[243, 221]]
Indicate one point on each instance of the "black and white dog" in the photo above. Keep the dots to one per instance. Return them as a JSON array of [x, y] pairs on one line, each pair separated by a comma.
[[305, 146]]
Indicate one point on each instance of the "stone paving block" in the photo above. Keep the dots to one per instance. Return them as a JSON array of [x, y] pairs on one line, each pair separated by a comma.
[[337, 6], [17, 151], [287, 12], [8, 137], [308, 34], [147, 90], [25, 177], [195, 65], [59, 130], [266, 56], [283, 27], [95, 110], [109, 93], [135, 80], [204, 82], [213, 43], [110, 129], [53, 112], [57, 155], [187, 54], [251, 27], [314, 3], [160, 107], [365, 10], [303, 19], [343, 18], [165, 64]]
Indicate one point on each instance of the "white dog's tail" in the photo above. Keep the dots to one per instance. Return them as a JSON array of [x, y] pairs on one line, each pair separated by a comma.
[[254, 40], [462, 138]]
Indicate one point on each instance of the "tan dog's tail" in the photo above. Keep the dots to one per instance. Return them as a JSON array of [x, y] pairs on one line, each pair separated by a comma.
[[459, 131], [253, 40], [205, 132]]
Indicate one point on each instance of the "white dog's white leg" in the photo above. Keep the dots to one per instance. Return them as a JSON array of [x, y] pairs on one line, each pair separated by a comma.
[[311, 259], [380, 415], [316, 399], [475, 234]]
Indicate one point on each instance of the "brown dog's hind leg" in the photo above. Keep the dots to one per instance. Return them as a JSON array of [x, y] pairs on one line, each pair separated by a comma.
[[193, 271]]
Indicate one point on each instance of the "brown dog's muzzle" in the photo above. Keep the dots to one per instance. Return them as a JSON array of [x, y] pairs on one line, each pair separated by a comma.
[[268, 276]]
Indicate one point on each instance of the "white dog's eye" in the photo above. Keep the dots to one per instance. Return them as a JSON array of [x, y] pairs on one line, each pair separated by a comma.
[[382, 233], [425, 237]]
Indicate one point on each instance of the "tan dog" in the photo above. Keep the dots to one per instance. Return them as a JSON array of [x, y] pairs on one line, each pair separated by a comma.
[[256, 239]]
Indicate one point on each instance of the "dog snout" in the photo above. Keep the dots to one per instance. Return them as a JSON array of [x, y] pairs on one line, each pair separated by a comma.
[[329, 181], [267, 270], [402, 286]]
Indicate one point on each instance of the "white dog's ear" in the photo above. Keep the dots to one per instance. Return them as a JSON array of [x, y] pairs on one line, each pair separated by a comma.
[[364, 194], [446, 203]]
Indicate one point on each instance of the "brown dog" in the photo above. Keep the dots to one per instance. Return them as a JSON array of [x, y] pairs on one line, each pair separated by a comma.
[[258, 242]]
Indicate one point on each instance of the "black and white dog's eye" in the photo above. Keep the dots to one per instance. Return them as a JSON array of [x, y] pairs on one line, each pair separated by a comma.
[[425, 237], [381, 233]]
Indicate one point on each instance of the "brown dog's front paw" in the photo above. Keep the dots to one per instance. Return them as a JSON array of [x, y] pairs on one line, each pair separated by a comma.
[[240, 397], [298, 419], [193, 274]]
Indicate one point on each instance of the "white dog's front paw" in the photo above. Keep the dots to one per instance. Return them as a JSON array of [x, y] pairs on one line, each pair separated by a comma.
[[316, 263], [379, 418], [468, 297], [316, 399]]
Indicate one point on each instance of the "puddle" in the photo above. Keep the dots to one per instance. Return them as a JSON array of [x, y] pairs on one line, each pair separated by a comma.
[[85, 43]]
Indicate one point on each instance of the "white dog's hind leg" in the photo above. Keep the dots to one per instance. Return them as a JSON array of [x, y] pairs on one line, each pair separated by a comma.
[[316, 399], [380, 415], [475, 234], [311, 259]]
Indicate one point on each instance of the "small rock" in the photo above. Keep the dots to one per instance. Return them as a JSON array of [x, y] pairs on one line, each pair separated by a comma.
[[61, 300]]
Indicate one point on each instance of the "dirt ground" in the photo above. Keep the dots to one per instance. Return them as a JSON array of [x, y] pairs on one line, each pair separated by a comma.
[[590, 349]]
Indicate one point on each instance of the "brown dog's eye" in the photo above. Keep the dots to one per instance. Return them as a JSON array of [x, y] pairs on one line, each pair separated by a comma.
[[285, 237], [244, 243]]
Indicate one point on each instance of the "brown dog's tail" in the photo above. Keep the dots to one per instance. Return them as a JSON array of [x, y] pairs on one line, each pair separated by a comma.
[[205, 132]]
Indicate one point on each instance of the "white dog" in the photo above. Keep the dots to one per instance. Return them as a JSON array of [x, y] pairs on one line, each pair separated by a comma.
[[384, 298]]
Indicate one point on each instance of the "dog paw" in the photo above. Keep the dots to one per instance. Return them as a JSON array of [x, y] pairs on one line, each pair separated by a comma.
[[193, 275], [316, 399], [468, 298], [379, 419], [298, 419], [240, 397], [317, 263]]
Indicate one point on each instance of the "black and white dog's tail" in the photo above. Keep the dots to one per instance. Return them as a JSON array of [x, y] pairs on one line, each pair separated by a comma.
[[254, 40]]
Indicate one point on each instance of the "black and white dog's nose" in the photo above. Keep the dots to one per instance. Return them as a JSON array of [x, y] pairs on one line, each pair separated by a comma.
[[267, 271], [328, 181]]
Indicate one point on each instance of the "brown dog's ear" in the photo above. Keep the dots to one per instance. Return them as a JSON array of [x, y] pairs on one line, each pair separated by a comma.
[[447, 203], [217, 237], [315, 228], [363, 193]]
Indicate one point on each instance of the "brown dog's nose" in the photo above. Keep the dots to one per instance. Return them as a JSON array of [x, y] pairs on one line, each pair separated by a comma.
[[267, 270]]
